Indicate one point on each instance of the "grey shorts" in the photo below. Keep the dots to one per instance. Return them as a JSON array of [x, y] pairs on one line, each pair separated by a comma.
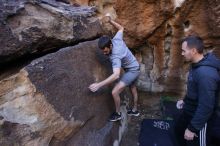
[[130, 77]]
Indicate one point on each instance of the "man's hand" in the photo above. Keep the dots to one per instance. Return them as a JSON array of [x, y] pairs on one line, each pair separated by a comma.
[[94, 87], [107, 18], [179, 104], [189, 135]]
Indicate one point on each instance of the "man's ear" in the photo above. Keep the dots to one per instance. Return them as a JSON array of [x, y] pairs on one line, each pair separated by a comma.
[[194, 51]]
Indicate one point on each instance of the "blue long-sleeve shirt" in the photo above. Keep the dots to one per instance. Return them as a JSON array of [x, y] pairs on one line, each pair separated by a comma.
[[202, 91]]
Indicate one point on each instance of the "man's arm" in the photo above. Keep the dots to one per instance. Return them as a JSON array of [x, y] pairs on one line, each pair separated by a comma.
[[95, 86], [115, 24]]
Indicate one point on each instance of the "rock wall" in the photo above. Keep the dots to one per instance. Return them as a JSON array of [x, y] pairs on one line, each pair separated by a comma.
[[154, 29], [33, 27], [213, 15], [48, 102], [32, 120]]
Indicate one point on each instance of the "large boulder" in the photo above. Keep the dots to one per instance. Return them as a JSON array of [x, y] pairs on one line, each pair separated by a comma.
[[48, 101], [33, 27]]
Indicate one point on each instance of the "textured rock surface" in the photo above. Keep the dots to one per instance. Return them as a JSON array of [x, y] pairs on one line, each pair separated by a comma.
[[154, 29], [32, 120], [213, 11], [30, 27], [50, 99]]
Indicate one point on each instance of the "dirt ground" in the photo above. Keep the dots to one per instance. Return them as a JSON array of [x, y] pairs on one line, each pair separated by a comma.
[[150, 108]]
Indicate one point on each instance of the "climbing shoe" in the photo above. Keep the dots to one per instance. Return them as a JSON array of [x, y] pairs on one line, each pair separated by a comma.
[[115, 117]]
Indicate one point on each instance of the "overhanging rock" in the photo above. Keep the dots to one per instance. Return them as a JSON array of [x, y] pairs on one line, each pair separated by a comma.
[[30, 27]]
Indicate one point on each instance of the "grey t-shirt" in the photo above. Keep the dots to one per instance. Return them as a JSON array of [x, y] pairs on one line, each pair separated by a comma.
[[121, 56]]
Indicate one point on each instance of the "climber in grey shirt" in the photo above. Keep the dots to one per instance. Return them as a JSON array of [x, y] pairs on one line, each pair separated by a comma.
[[121, 57]]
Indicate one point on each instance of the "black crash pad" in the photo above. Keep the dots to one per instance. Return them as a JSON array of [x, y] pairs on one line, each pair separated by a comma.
[[157, 133]]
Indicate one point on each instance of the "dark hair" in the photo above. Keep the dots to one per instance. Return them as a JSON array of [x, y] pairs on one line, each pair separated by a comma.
[[104, 41], [194, 42]]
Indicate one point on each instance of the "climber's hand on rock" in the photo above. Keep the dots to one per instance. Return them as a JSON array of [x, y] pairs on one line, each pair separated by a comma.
[[107, 17], [94, 87]]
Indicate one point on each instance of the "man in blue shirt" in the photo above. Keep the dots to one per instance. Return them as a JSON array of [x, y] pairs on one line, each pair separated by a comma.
[[201, 100], [120, 57]]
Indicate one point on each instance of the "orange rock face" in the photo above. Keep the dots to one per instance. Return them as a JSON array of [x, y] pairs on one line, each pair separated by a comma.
[[141, 18], [159, 27], [213, 15]]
